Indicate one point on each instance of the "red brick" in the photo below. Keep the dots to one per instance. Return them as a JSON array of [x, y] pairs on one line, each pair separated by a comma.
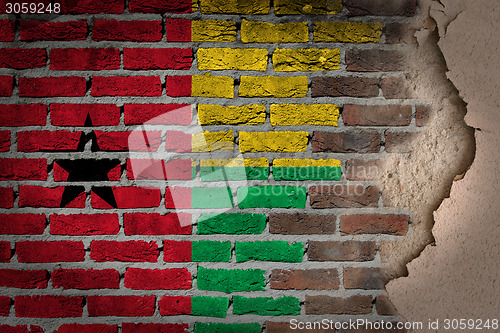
[[374, 60], [39, 196], [422, 115], [178, 142], [86, 279], [176, 251], [400, 142], [374, 224], [144, 141], [144, 86], [344, 86], [91, 59], [48, 306], [384, 306], [363, 169], [177, 198], [87, 328], [77, 114], [5, 251], [4, 141], [178, 30], [130, 31], [20, 329], [6, 85], [7, 30], [150, 59], [154, 328], [354, 305], [131, 251], [152, 279], [53, 31], [23, 169], [157, 224], [40, 251], [175, 305], [22, 224], [65, 86], [23, 279], [346, 142], [129, 197], [178, 169], [341, 251], [4, 307], [178, 86], [84, 224], [376, 115], [315, 279], [343, 196], [6, 197], [92, 6], [18, 58], [121, 306], [33, 141], [301, 224], [363, 278], [381, 7], [13, 115], [158, 114], [160, 7]]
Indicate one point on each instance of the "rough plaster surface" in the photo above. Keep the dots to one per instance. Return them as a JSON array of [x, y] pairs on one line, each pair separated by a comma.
[[457, 276]]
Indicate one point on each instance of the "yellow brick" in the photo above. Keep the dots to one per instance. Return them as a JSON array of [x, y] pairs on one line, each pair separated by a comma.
[[292, 60], [236, 162], [212, 86], [296, 162], [263, 32], [273, 86], [237, 59], [231, 115], [303, 114], [235, 6], [285, 141], [284, 7], [347, 32], [195, 5], [212, 141], [213, 31]]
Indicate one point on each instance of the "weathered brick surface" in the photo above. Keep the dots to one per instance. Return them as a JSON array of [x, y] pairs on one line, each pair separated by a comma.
[[342, 196], [54, 31], [18, 58], [363, 278], [353, 305], [344, 86], [377, 115], [298, 224], [135, 31], [374, 224], [86, 279], [399, 142], [320, 279], [91, 59], [68, 86], [6, 85], [341, 251], [374, 60], [262, 32], [381, 8], [346, 142]]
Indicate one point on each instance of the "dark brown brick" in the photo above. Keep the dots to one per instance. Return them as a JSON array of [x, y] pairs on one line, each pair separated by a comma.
[[362, 170], [399, 142], [363, 278], [284, 327], [422, 115], [343, 196], [384, 306], [374, 224], [381, 7], [323, 304], [301, 224], [345, 86], [396, 88], [315, 279], [346, 142], [376, 115], [374, 60], [397, 33], [341, 251]]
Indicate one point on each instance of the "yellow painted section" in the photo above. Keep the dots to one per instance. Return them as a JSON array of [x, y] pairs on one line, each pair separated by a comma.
[[297, 162], [235, 162], [213, 31], [212, 86], [293, 60], [195, 5], [273, 86], [347, 32], [263, 32], [212, 141], [236, 59], [286, 141], [304, 114], [235, 6], [291, 7], [209, 114]]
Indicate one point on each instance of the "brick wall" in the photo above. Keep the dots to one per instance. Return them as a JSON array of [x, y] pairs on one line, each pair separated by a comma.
[[206, 167]]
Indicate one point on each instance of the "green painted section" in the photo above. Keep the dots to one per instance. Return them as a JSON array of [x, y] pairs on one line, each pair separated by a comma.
[[212, 174], [206, 306], [227, 328], [231, 280], [306, 173], [266, 306], [272, 197], [193, 172], [211, 251], [211, 197], [231, 224], [269, 251]]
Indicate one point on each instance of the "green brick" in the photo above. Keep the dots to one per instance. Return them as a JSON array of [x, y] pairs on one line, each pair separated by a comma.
[[272, 197], [307, 173], [206, 306], [269, 251], [227, 328], [231, 224], [266, 306], [213, 174], [231, 280], [211, 251], [211, 197]]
